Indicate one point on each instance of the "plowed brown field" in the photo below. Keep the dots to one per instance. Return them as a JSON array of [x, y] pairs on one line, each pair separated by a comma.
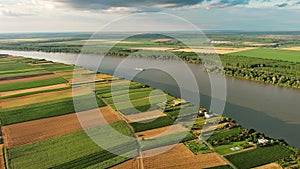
[[178, 157], [37, 130], [1, 157], [269, 166]]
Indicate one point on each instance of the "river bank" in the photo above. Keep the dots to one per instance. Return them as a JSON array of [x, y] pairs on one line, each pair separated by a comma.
[[252, 104]]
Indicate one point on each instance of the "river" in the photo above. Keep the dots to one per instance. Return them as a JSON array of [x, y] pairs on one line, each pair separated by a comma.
[[269, 109]]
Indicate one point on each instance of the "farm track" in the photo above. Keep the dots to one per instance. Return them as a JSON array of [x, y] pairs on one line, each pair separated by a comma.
[[2, 157]]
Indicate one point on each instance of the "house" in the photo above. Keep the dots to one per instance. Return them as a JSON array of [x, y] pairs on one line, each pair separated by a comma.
[[207, 115], [262, 141], [178, 102], [201, 113]]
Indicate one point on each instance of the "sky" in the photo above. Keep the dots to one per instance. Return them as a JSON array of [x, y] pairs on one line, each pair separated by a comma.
[[137, 15]]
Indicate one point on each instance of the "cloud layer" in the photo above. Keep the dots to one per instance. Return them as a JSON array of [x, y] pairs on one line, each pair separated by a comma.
[[158, 5], [17, 8]]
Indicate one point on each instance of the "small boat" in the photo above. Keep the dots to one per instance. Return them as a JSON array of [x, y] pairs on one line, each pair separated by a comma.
[[139, 69]]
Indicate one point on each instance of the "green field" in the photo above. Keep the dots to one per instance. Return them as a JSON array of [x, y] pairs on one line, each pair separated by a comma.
[[130, 96], [167, 140], [218, 135], [197, 147], [122, 92], [148, 125], [45, 109], [275, 54], [74, 150], [23, 73], [199, 123], [117, 87], [138, 103], [18, 67], [7, 66], [225, 149], [36, 92], [57, 67], [31, 84], [139, 109], [258, 156]]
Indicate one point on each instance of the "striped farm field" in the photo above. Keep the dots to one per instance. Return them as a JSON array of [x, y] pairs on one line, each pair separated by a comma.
[[145, 116], [259, 156], [163, 131], [31, 84], [269, 166], [24, 92], [47, 109], [149, 124], [38, 130], [174, 156], [43, 97], [74, 150], [178, 137], [24, 73], [87, 78], [118, 87], [139, 103], [30, 78]]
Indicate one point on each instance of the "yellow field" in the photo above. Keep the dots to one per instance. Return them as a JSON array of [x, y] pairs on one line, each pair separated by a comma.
[[145, 116], [43, 97], [163, 131]]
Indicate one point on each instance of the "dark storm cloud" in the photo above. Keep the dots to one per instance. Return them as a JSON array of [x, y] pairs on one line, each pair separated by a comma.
[[233, 2], [106, 4], [148, 5], [282, 5]]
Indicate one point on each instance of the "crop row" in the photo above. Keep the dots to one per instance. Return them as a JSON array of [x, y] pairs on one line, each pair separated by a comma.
[[74, 150], [47, 109]]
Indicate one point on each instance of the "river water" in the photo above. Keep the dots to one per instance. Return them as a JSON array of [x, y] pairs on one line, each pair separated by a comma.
[[272, 110]]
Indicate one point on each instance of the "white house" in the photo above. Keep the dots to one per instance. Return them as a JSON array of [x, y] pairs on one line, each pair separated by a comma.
[[262, 141], [208, 116]]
